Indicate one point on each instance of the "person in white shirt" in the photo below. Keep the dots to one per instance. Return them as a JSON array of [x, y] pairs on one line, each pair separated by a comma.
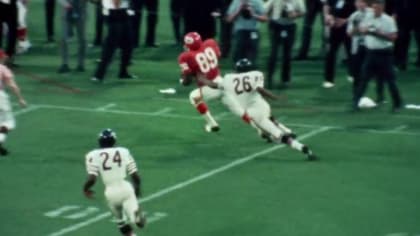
[[113, 164], [380, 34]]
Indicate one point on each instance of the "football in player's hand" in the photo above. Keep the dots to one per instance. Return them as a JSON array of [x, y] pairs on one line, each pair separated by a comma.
[[187, 80]]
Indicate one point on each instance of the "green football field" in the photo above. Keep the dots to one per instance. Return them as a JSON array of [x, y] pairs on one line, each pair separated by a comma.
[[199, 184]]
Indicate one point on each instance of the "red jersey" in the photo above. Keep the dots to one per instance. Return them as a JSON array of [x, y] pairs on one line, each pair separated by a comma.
[[202, 62]]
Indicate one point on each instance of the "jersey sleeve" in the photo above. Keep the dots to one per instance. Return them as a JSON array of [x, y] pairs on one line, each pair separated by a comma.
[[215, 46], [392, 25], [131, 164], [185, 64], [92, 166]]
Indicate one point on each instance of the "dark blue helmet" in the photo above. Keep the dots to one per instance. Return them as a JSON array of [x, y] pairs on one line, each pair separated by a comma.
[[243, 65], [107, 138]]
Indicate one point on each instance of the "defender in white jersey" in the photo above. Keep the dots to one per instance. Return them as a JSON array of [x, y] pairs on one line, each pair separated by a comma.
[[243, 95], [113, 164], [7, 121]]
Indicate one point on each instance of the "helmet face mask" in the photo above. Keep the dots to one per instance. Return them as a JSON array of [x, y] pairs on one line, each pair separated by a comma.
[[192, 41], [243, 65], [107, 138]]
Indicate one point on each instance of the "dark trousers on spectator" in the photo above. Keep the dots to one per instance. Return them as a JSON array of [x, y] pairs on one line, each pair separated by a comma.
[[405, 29], [8, 16], [337, 37], [356, 63], [118, 36], [379, 64], [246, 45], [225, 30], [152, 19], [49, 18], [99, 25], [281, 35], [176, 7], [314, 8]]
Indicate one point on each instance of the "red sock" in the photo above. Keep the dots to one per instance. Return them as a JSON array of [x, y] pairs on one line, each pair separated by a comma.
[[246, 118], [21, 33], [202, 108]]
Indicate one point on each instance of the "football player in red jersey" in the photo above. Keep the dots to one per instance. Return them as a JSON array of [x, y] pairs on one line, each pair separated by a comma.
[[200, 60]]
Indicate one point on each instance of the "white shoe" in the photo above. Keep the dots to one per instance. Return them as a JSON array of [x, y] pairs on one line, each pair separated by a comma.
[[327, 84], [96, 80], [350, 79], [210, 128]]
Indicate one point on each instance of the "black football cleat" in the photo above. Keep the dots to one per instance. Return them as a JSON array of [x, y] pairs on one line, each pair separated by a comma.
[[311, 156], [212, 129], [3, 151]]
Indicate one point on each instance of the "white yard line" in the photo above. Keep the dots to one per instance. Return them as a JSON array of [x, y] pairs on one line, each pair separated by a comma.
[[164, 111], [188, 182], [106, 107], [26, 110], [399, 128]]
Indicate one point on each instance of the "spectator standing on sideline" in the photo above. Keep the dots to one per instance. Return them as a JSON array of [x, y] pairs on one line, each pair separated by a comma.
[[152, 8], [73, 14], [381, 33], [357, 21], [200, 16], [176, 12], [336, 13], [407, 13], [99, 24], [9, 17], [117, 15], [282, 15], [49, 6], [225, 30], [313, 8], [245, 15]]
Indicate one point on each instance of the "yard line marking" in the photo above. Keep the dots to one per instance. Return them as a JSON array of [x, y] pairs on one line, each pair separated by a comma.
[[60, 211], [156, 217], [106, 107], [399, 128], [221, 115], [164, 111], [85, 213], [26, 110], [186, 183]]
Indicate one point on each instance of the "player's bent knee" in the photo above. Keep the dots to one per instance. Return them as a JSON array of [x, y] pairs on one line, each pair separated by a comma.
[[195, 97]]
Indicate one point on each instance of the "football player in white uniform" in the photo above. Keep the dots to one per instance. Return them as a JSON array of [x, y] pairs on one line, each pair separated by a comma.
[[113, 164], [243, 95], [7, 121]]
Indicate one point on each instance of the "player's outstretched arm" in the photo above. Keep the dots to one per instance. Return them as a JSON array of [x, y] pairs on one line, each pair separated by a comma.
[[91, 180], [135, 177], [267, 94], [10, 82]]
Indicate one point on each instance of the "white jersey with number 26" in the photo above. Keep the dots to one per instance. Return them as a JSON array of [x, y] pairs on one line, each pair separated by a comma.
[[243, 86], [112, 164]]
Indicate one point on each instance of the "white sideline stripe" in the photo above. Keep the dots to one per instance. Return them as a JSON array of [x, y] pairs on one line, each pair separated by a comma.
[[164, 111], [399, 128], [186, 183], [106, 107], [26, 110], [139, 113]]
